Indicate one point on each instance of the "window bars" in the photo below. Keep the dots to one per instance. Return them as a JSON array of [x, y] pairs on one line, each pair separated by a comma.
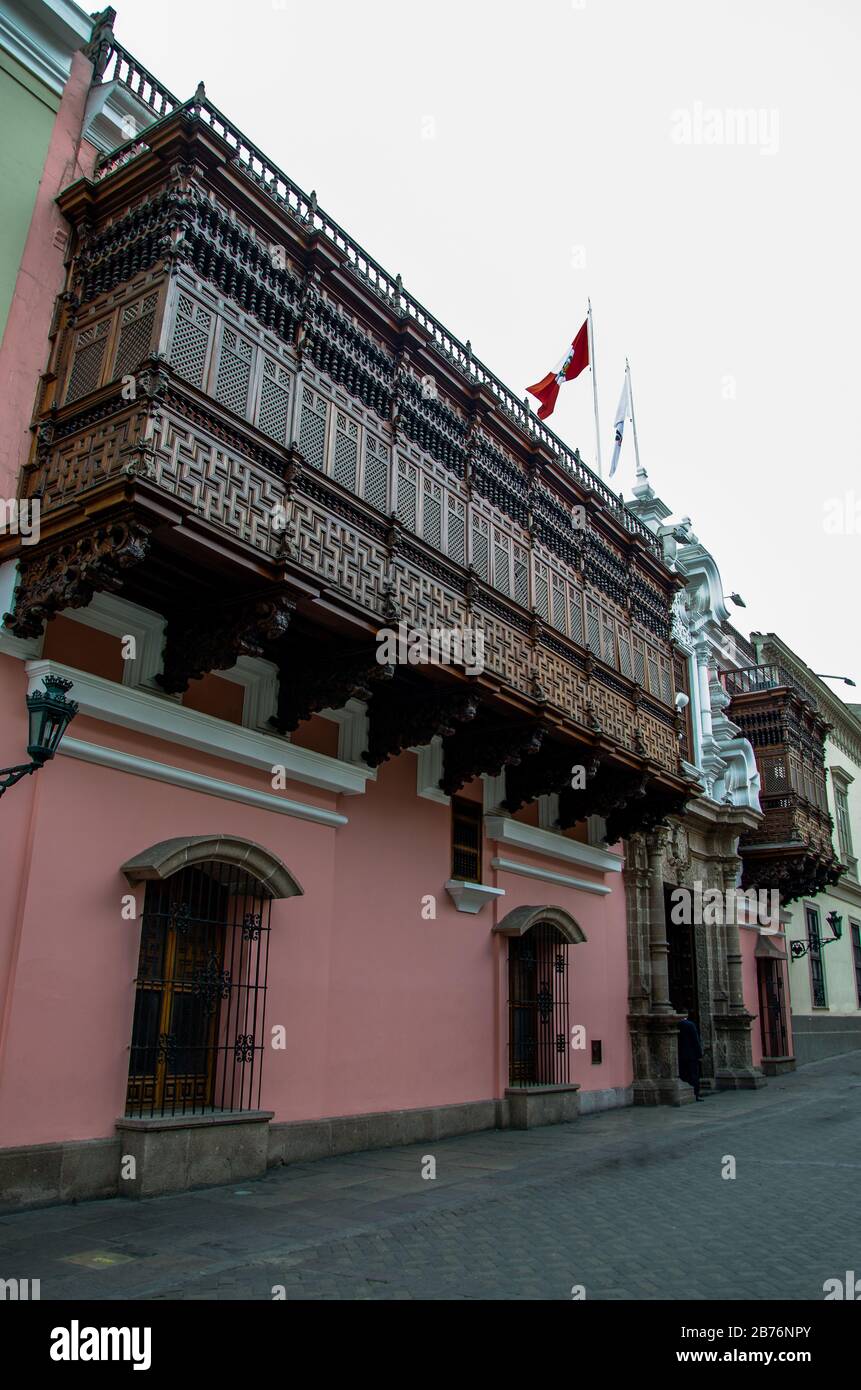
[[466, 840], [198, 1032], [538, 1029]]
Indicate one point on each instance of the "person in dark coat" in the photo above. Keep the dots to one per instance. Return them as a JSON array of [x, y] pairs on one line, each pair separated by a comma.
[[690, 1054]]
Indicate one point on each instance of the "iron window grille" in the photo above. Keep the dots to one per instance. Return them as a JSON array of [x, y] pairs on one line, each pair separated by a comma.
[[466, 834], [772, 1011], [855, 932], [817, 964], [538, 1029], [844, 829], [198, 1031]]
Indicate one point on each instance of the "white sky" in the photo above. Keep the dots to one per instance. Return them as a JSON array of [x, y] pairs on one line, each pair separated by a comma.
[[487, 148]]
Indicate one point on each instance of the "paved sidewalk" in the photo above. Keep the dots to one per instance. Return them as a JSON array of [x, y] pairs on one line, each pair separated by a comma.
[[629, 1203]]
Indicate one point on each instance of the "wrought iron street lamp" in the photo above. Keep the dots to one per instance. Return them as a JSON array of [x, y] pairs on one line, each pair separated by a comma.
[[798, 949], [50, 714]]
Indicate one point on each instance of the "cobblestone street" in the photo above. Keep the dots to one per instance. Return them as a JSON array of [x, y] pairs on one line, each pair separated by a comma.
[[628, 1203]]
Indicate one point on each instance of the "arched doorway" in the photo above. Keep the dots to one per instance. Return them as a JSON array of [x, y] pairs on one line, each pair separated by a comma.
[[539, 1034], [200, 993]]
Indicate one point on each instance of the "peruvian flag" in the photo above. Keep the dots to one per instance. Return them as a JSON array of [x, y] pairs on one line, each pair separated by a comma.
[[572, 364]]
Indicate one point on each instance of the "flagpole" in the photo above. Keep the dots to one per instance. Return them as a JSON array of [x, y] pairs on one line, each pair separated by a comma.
[[633, 417], [594, 386]]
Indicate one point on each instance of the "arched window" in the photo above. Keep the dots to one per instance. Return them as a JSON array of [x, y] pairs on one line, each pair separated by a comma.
[[539, 1033], [200, 1003]]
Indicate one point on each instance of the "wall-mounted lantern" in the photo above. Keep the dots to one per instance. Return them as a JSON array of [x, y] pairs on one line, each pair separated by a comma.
[[49, 713], [798, 949]]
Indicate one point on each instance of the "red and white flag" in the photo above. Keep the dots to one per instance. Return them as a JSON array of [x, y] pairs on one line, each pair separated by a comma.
[[572, 364]]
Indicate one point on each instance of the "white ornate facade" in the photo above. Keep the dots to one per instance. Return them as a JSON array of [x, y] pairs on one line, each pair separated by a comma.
[[721, 759], [699, 968]]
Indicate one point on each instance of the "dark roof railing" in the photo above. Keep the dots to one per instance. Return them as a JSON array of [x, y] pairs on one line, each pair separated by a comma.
[[766, 676]]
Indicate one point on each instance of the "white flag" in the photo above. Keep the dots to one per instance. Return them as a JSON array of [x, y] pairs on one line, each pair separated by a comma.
[[622, 412]]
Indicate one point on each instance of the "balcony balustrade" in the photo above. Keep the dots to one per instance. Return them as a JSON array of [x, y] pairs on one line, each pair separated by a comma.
[[792, 850], [250, 427]]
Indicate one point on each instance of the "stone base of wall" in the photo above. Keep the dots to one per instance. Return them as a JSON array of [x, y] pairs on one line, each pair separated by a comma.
[[175, 1154], [776, 1066], [531, 1106], [739, 1079], [44, 1174], [611, 1099], [815, 1036], [300, 1141]]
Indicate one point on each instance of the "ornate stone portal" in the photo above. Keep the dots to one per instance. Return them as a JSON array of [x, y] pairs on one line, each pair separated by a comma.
[[699, 851]]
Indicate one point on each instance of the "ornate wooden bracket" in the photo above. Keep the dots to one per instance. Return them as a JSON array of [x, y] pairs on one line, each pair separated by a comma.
[[607, 792], [644, 810], [211, 639], [547, 772], [69, 574], [403, 717], [487, 747], [793, 874], [327, 683]]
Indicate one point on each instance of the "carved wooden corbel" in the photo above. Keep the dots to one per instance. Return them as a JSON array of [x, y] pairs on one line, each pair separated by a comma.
[[69, 574], [402, 717], [213, 638]]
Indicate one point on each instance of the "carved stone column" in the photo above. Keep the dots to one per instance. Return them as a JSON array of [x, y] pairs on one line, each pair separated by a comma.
[[659, 950], [738, 1072], [653, 1023]]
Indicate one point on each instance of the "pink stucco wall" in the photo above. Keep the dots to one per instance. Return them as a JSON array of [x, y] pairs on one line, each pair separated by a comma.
[[24, 349], [382, 1008], [749, 940]]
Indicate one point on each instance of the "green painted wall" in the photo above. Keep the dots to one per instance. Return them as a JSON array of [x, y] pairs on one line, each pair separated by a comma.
[[27, 111]]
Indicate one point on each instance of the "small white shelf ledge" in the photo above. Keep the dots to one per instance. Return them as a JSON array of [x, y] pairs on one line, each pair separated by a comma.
[[514, 866], [471, 897], [514, 834]]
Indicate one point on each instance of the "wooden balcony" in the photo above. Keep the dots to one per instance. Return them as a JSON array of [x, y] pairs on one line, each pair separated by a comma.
[[248, 426], [792, 850]]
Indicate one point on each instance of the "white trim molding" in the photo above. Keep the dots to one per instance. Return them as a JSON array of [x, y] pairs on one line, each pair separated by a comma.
[[429, 770], [44, 36], [122, 619], [121, 761], [259, 680], [493, 793], [514, 866], [352, 721], [551, 843], [160, 717], [114, 116], [471, 897]]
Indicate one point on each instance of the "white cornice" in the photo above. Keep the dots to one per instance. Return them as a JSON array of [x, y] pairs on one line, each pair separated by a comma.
[[514, 866], [43, 36], [160, 717], [121, 761], [551, 843]]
